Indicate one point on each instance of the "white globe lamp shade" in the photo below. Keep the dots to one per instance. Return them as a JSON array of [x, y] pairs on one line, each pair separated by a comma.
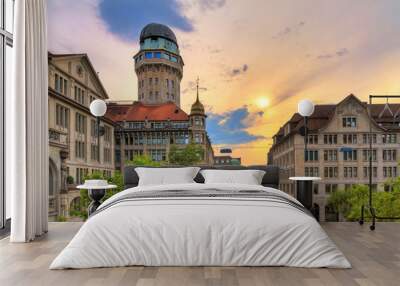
[[98, 107], [305, 107]]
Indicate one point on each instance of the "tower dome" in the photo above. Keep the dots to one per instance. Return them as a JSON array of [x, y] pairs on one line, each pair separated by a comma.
[[157, 30], [158, 66], [197, 106]]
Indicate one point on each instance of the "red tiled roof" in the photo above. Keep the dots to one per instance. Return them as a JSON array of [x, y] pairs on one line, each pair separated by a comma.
[[138, 111], [323, 113]]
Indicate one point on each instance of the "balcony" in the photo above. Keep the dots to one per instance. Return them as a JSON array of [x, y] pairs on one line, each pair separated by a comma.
[[375, 258]]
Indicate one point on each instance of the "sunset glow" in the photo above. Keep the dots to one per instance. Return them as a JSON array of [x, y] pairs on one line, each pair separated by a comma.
[[239, 50], [262, 102]]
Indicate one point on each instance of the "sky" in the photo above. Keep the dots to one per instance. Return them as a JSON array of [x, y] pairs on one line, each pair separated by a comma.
[[256, 59]]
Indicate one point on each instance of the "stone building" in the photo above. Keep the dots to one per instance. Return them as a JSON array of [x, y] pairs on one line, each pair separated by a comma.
[[152, 124], [338, 148], [158, 66], [227, 160], [73, 85]]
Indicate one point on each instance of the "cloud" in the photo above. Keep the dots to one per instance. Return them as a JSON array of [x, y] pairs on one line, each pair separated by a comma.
[[214, 51], [126, 17], [230, 127], [185, 46], [75, 27], [324, 56], [237, 71], [203, 5], [339, 53], [289, 30], [296, 84], [191, 86], [211, 4], [342, 52]]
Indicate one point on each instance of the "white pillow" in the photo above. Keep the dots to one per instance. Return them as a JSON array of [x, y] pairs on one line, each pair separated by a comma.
[[248, 177], [166, 176]]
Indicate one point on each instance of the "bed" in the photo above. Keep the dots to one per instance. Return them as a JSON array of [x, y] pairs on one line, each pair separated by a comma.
[[201, 224]]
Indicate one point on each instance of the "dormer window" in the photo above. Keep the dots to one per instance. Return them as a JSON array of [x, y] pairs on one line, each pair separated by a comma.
[[349, 121]]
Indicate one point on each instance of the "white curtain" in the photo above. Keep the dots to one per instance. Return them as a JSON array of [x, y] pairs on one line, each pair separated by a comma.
[[27, 124]]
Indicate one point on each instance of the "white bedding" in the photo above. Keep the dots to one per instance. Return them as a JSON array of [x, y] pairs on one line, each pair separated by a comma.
[[200, 231]]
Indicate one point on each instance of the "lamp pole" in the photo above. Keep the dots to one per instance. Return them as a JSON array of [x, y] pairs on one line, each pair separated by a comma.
[[98, 138], [304, 185], [305, 138], [98, 108], [305, 109]]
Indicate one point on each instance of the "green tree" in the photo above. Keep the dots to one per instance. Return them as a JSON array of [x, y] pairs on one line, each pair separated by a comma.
[[61, 218], [189, 155], [143, 160], [116, 179], [70, 180], [340, 202], [348, 202]]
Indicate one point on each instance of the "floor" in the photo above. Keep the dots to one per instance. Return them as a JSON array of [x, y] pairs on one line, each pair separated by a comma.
[[375, 257], [5, 231]]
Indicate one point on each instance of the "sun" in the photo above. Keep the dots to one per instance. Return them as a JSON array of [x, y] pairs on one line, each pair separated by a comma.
[[262, 102]]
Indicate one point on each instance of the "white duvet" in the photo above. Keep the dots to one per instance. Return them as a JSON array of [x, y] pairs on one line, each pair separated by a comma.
[[200, 231]]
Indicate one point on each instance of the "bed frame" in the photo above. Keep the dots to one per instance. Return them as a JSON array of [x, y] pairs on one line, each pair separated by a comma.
[[270, 179]]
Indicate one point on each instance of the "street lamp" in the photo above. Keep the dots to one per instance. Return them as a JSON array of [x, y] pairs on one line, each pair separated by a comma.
[[98, 108], [304, 184], [306, 109]]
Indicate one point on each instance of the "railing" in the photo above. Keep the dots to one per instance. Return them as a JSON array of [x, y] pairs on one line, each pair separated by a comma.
[[156, 125]]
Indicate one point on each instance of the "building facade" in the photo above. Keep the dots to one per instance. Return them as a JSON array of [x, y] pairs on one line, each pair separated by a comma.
[[227, 160], [338, 148], [73, 146], [152, 124], [152, 129]]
